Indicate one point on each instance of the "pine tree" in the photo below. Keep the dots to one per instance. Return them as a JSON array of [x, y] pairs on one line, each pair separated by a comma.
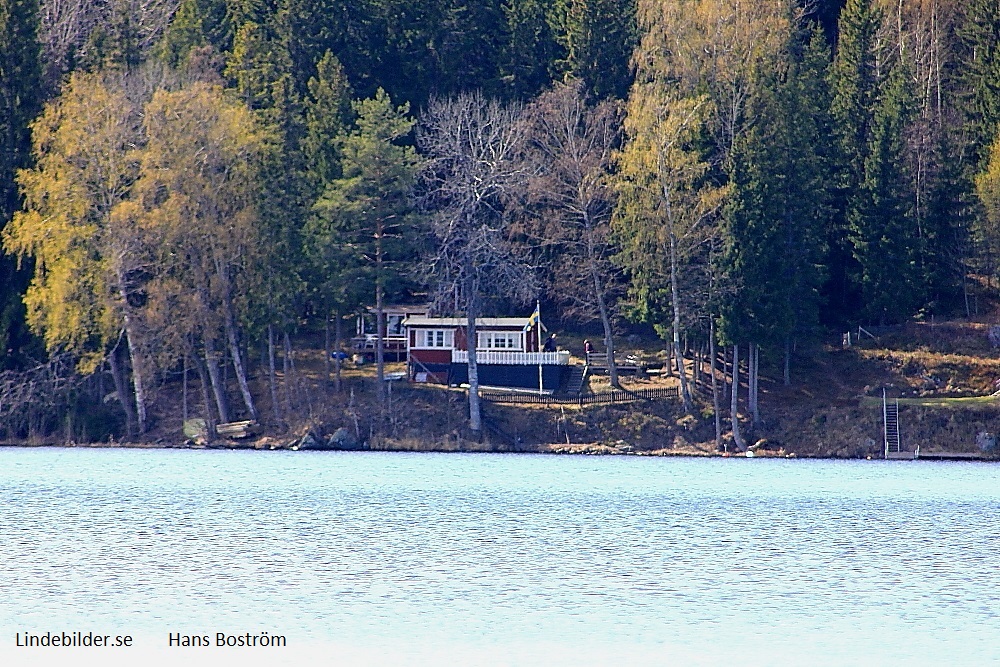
[[20, 86], [370, 209]]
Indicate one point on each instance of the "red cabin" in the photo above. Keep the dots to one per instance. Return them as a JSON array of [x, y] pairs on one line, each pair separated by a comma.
[[507, 353]]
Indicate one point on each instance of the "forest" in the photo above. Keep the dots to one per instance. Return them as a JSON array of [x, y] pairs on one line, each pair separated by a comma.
[[187, 185]]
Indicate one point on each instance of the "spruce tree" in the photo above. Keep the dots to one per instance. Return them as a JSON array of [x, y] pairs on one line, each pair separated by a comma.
[[979, 76], [882, 226], [854, 83], [20, 85], [532, 47], [196, 23], [597, 37], [778, 213], [328, 113]]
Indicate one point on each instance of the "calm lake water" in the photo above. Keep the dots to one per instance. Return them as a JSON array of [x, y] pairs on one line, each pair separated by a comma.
[[370, 558]]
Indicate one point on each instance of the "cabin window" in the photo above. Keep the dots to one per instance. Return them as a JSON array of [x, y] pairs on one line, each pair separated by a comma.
[[435, 338], [500, 340]]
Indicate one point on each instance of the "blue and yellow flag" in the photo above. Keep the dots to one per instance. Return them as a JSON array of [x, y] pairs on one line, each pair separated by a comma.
[[535, 317]]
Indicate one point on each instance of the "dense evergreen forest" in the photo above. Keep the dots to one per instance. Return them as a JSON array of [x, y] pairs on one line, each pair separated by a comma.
[[185, 184]]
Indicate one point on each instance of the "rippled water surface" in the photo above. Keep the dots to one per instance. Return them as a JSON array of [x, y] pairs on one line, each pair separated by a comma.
[[504, 559]]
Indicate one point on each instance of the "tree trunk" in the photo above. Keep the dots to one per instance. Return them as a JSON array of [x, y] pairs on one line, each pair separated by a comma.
[[121, 388], [286, 368], [755, 383], [210, 423], [471, 311], [725, 371], [602, 306], [184, 393], [326, 350], [715, 383], [380, 346], [787, 374], [379, 321], [734, 407], [609, 342], [337, 362], [234, 351], [135, 359], [218, 387], [751, 394], [135, 356], [675, 303], [275, 403]]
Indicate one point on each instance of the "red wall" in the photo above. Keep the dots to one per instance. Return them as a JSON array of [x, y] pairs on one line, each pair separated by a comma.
[[431, 356]]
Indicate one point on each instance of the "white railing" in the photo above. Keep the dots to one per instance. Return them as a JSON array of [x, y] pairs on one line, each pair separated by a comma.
[[510, 357]]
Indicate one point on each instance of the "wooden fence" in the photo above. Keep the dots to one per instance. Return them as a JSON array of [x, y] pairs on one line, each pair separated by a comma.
[[602, 398]]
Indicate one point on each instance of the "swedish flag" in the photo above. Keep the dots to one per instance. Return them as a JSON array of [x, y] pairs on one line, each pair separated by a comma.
[[535, 317]]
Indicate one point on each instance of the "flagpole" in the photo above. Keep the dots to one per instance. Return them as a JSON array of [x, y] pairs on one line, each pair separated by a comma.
[[538, 311]]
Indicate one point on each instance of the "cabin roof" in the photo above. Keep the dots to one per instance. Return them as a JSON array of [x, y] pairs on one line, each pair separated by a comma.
[[403, 309], [422, 321]]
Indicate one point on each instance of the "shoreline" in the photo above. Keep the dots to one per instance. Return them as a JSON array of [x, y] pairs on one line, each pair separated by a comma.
[[593, 449]]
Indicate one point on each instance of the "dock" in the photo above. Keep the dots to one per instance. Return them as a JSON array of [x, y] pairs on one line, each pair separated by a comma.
[[938, 456]]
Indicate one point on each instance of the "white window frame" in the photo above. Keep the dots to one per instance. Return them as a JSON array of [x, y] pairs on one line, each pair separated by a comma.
[[435, 339], [507, 341]]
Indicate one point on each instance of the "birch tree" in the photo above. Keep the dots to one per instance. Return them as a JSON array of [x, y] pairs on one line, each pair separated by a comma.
[[571, 152], [473, 147], [666, 200], [201, 168], [90, 259]]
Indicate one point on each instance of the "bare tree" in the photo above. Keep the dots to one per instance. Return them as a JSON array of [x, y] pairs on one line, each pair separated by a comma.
[[474, 146], [571, 151], [66, 27]]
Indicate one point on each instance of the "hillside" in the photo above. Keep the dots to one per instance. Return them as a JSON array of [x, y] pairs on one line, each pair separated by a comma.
[[831, 409]]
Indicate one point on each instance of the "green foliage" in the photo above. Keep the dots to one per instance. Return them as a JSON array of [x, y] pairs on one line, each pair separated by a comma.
[[364, 227], [883, 231], [196, 23], [979, 73], [897, 243], [778, 211], [328, 114], [532, 47], [20, 92], [114, 44], [85, 149], [597, 38]]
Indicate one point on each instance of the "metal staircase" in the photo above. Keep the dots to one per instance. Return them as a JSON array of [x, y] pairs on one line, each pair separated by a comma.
[[890, 419]]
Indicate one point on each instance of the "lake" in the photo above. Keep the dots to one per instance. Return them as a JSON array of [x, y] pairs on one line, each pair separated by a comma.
[[479, 559]]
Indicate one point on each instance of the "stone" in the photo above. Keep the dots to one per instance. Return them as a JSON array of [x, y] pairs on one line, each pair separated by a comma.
[[343, 439]]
